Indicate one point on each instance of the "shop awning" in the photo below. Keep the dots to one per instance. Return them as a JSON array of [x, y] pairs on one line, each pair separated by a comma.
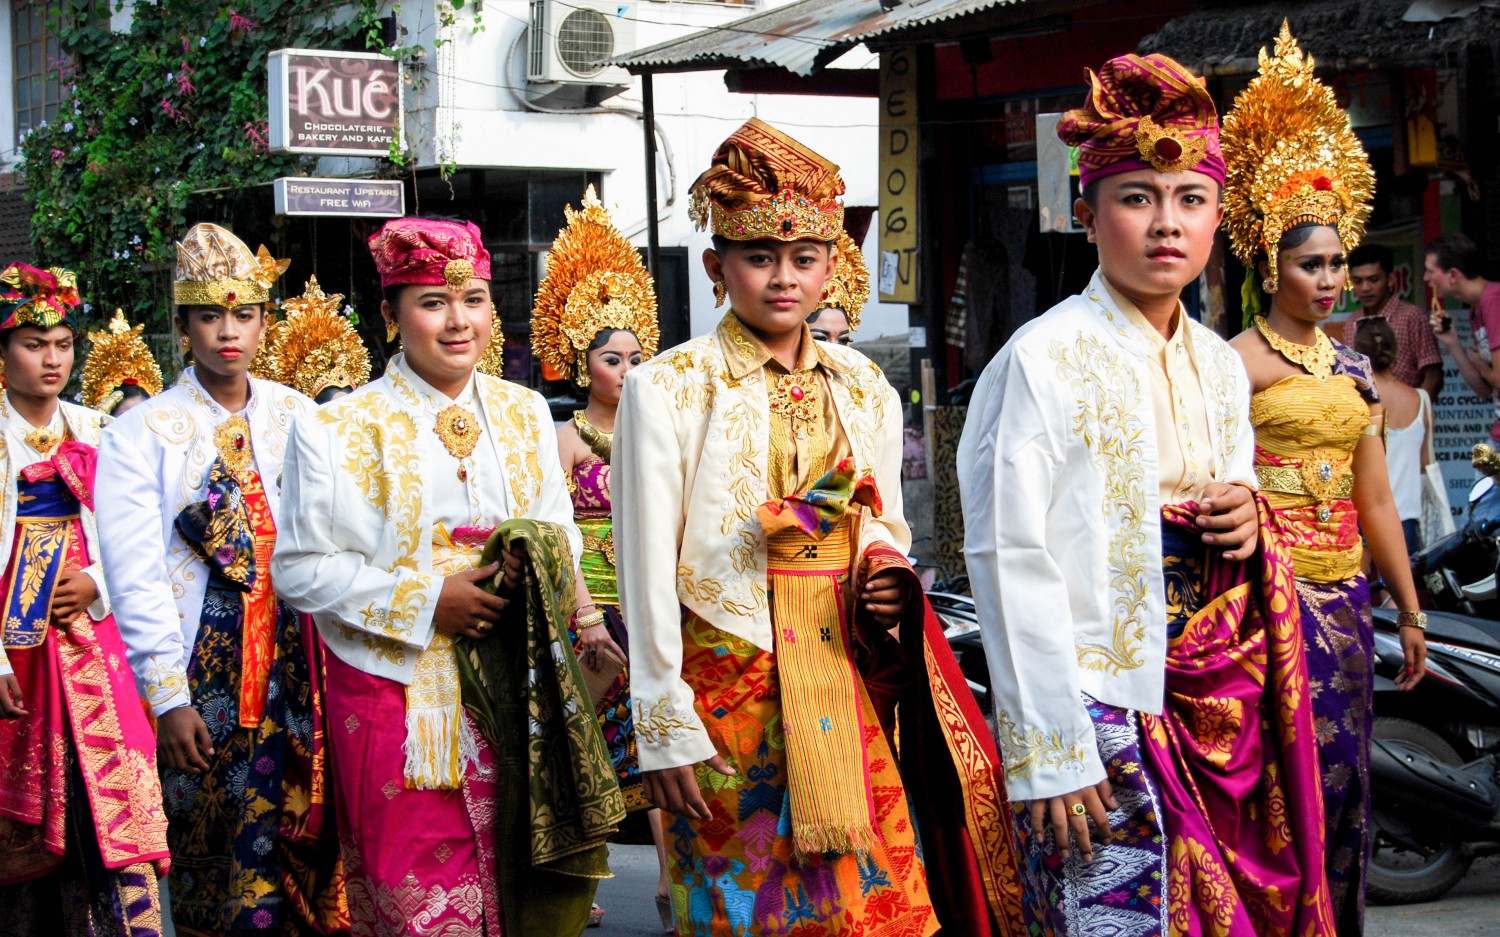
[[802, 38], [1347, 35]]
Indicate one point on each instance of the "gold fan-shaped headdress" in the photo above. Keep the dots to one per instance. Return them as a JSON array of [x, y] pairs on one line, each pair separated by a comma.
[[1292, 157], [849, 289], [315, 347], [492, 362], [118, 356], [595, 281]]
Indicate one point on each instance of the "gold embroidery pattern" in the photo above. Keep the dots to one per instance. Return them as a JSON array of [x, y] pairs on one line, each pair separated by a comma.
[[396, 622], [380, 455], [1275, 827], [742, 427], [659, 723], [1226, 403], [1215, 723], [1027, 750], [164, 680], [1197, 879], [510, 406], [1105, 415], [708, 591]]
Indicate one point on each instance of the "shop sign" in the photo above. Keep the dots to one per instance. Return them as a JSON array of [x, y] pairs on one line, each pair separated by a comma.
[[340, 198], [334, 103], [899, 161]]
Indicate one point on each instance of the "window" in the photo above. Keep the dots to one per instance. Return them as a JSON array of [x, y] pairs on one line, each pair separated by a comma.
[[37, 57]]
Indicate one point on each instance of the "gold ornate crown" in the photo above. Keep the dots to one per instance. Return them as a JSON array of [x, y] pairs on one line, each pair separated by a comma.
[[595, 281], [786, 216], [492, 362], [761, 183], [118, 356], [215, 268], [1292, 158], [315, 347], [849, 289]]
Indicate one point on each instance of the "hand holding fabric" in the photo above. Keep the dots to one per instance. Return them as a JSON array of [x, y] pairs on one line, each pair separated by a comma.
[[885, 597], [464, 607], [675, 790], [73, 593], [1228, 519]]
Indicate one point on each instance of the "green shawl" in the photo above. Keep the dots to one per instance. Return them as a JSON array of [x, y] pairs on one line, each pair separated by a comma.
[[523, 687]]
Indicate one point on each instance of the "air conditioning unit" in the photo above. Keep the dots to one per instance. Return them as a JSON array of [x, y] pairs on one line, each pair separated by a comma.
[[571, 39]]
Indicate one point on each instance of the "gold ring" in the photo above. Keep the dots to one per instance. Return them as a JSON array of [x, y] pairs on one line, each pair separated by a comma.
[[484, 628], [1078, 810]]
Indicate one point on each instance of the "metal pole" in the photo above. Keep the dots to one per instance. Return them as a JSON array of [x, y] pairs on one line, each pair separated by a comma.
[[648, 107]]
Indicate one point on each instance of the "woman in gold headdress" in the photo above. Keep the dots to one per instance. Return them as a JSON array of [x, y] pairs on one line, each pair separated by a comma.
[[119, 371], [1296, 200], [594, 321], [315, 349], [837, 315]]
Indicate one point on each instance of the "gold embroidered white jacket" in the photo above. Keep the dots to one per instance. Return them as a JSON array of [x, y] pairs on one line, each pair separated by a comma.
[[1057, 468], [355, 551], [689, 470], [85, 426], [153, 462]]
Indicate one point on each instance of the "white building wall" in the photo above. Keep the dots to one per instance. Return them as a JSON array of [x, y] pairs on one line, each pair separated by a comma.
[[472, 112]]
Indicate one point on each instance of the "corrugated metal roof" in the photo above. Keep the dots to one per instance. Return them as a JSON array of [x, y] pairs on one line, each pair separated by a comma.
[[800, 37]]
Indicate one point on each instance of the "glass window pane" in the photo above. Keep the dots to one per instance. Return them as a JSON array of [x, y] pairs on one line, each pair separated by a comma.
[[23, 95]]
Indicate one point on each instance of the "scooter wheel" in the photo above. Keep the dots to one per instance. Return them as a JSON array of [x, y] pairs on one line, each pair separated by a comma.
[[1399, 874]]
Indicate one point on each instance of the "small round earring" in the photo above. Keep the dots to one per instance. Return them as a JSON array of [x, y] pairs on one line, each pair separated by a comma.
[[721, 293], [1270, 284]]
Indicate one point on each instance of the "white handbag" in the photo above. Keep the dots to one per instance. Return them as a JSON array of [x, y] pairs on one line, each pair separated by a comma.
[[1437, 516]]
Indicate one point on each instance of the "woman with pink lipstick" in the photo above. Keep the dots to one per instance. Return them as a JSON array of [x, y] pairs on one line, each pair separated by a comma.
[[1297, 197], [189, 501]]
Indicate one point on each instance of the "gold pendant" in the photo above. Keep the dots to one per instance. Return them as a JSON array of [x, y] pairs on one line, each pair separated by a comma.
[[232, 439], [459, 431], [1316, 359], [43, 440], [796, 395]]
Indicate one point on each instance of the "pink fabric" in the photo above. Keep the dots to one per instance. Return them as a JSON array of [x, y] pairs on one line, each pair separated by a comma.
[[591, 489], [81, 696], [418, 862], [417, 250], [1235, 757]]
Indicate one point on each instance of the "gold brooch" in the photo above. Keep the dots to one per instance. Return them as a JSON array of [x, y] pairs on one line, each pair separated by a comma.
[[795, 395], [42, 439], [1166, 148], [232, 439], [458, 273], [459, 431]]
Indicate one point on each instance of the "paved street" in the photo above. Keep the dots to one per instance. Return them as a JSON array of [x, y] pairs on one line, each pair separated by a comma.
[[1471, 910]]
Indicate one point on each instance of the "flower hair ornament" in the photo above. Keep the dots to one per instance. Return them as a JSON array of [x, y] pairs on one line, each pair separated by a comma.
[[595, 281], [1291, 158]]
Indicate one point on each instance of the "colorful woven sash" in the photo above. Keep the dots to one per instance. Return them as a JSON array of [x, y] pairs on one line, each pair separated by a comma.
[[810, 554]]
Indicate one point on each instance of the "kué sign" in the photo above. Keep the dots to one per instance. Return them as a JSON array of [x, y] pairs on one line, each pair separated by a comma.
[[334, 103]]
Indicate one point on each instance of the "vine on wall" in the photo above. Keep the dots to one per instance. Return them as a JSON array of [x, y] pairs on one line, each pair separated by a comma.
[[175, 106]]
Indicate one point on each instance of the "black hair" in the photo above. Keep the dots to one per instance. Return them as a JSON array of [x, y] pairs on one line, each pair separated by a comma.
[[1090, 193], [1375, 339], [603, 338], [1366, 254], [1455, 251], [1297, 235], [331, 392], [722, 244], [131, 392]]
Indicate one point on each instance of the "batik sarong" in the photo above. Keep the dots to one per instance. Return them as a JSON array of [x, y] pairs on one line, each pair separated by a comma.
[[1340, 650], [1219, 828], [252, 848], [736, 873], [82, 832]]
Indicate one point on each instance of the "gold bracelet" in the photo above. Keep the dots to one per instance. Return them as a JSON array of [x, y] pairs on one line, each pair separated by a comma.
[[590, 620], [1416, 620]]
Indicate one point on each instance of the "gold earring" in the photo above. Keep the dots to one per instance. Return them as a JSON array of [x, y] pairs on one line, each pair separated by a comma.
[[391, 331], [1270, 284], [721, 293], [184, 344]]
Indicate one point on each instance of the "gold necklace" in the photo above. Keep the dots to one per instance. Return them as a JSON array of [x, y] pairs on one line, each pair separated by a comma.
[[232, 439], [459, 431], [42, 439], [1316, 359], [600, 443]]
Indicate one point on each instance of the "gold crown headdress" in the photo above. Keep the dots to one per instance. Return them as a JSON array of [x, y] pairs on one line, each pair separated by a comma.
[[215, 268], [118, 356], [595, 281], [315, 347], [492, 362], [1292, 158], [849, 289], [764, 184]]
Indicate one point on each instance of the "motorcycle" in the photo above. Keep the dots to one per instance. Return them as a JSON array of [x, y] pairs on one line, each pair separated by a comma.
[[1433, 761]]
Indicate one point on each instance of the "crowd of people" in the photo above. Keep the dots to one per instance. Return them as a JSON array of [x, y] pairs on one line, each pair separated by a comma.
[[694, 599]]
